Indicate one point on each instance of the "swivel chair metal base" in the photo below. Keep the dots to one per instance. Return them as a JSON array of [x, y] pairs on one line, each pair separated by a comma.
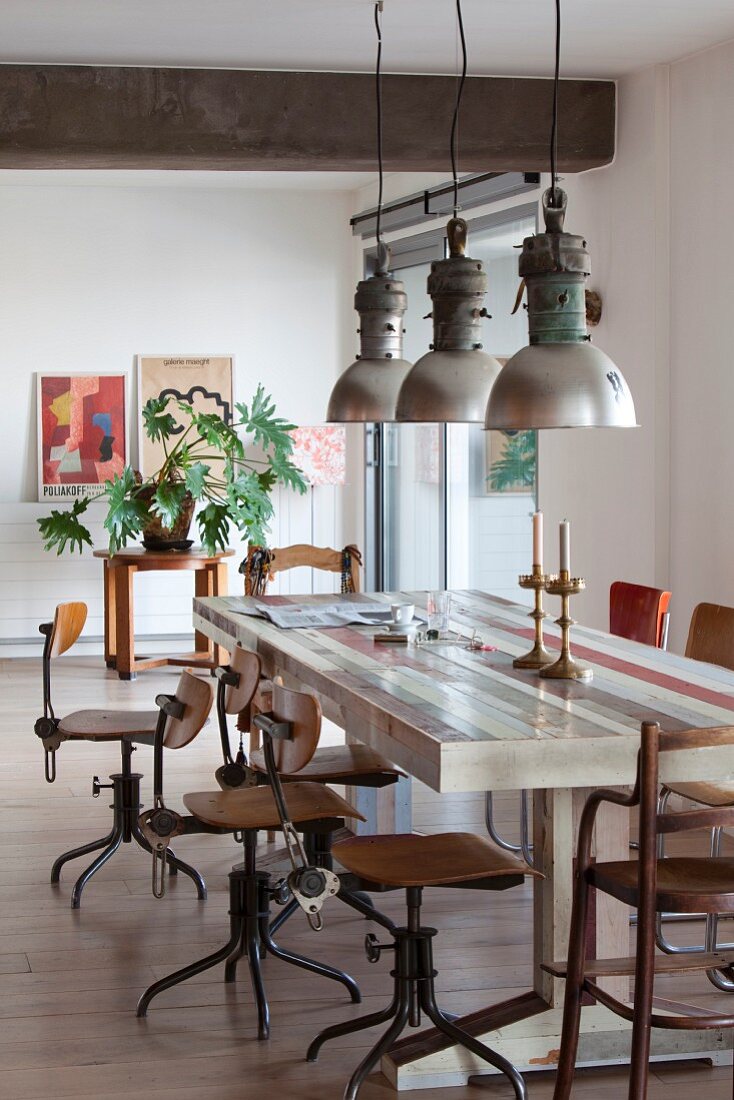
[[250, 892], [414, 992], [125, 807]]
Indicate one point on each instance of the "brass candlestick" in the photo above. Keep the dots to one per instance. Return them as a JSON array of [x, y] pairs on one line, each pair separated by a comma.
[[566, 667], [538, 656]]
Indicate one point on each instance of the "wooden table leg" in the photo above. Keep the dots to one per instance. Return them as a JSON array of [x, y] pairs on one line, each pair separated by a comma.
[[220, 577], [125, 621], [110, 631], [204, 584], [387, 809]]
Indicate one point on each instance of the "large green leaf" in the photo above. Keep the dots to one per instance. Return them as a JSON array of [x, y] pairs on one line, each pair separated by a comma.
[[195, 479], [167, 501], [61, 528], [214, 431], [127, 515], [515, 469], [287, 473], [214, 526], [158, 423], [266, 429], [250, 505]]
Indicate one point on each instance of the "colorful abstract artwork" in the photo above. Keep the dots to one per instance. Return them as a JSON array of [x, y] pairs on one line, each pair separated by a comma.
[[203, 381], [320, 453], [82, 433]]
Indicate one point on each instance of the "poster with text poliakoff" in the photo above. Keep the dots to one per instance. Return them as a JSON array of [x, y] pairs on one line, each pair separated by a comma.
[[82, 433], [202, 381]]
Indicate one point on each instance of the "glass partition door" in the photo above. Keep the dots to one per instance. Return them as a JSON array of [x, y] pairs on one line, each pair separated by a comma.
[[449, 505]]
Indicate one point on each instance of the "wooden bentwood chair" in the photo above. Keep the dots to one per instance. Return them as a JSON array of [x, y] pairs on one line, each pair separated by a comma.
[[636, 612], [677, 885], [412, 862], [310, 807], [261, 565], [710, 639], [126, 726]]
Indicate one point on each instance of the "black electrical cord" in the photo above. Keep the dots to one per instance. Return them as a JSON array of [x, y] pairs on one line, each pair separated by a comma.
[[455, 121], [378, 94], [554, 124]]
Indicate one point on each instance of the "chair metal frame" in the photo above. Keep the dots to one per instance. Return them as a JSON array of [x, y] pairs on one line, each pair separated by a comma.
[[125, 787], [251, 891]]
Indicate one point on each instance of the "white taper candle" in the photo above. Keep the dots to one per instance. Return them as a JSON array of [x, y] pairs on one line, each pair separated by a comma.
[[565, 562]]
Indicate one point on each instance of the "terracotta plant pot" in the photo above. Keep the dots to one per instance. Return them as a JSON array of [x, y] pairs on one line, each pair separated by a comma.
[[158, 537]]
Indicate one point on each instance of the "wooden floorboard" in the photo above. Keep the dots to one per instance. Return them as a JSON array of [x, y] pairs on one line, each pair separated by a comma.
[[69, 981]]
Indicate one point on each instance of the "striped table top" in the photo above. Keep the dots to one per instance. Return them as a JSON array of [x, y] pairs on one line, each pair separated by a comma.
[[464, 720]]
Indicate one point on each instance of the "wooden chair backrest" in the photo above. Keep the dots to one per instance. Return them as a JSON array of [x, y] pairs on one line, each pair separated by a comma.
[[248, 665], [711, 635], [304, 711], [638, 612], [347, 561], [69, 620], [197, 695]]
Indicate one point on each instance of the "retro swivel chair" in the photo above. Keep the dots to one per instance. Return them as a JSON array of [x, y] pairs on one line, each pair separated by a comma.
[[246, 812], [127, 727]]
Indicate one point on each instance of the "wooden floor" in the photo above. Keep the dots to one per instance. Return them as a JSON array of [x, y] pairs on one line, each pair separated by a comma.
[[69, 981]]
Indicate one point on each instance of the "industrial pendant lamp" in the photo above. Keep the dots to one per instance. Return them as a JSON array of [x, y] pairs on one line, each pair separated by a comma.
[[368, 390], [451, 384], [559, 380]]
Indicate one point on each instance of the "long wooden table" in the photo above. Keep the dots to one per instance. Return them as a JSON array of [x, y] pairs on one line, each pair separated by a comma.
[[463, 720]]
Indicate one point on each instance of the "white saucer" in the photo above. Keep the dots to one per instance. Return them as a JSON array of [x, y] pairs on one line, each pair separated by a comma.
[[403, 628]]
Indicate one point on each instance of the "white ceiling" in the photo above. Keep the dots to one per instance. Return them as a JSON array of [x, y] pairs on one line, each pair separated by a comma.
[[602, 38]]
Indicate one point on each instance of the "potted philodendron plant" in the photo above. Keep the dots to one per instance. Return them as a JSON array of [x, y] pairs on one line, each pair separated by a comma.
[[206, 464]]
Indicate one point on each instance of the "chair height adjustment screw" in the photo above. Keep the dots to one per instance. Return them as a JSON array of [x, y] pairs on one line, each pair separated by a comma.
[[97, 786], [373, 949], [280, 892]]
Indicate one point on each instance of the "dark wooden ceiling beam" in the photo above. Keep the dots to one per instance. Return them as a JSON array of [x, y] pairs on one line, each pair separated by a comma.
[[61, 116]]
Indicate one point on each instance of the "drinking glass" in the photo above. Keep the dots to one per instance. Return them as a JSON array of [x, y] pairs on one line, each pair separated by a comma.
[[439, 607]]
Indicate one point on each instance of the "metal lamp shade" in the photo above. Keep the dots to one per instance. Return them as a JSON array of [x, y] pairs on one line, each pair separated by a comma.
[[452, 382], [367, 391], [560, 386], [560, 380], [448, 387]]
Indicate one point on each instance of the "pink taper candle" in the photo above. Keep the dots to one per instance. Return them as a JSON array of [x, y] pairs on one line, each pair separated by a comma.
[[565, 546], [538, 539]]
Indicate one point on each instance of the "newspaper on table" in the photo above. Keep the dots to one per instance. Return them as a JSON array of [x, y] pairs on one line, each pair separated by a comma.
[[309, 616]]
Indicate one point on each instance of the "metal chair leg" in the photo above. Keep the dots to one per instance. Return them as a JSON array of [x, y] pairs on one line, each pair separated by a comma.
[[307, 964], [186, 972], [525, 847], [492, 828], [368, 1063], [81, 882], [75, 853]]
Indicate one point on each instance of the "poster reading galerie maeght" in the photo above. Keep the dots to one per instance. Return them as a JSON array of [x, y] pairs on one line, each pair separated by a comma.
[[204, 381]]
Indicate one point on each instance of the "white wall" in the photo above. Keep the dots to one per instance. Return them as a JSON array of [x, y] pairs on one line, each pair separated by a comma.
[[613, 484], [702, 291], [92, 275]]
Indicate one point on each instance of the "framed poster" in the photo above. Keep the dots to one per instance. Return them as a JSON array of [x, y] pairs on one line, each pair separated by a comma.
[[205, 381], [82, 432]]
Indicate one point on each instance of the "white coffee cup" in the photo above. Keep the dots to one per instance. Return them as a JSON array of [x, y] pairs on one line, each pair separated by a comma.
[[402, 613]]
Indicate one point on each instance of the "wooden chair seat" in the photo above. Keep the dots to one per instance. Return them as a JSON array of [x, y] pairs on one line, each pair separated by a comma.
[[684, 885], [340, 764], [407, 859], [708, 794], [254, 807], [109, 725]]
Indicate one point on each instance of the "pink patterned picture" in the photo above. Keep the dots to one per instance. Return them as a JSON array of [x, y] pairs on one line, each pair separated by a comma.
[[320, 453]]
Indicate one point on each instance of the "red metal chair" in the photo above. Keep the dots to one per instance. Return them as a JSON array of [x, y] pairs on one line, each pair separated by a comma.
[[639, 613]]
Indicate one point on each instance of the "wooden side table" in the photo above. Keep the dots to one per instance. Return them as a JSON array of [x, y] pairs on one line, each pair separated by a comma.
[[210, 579]]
